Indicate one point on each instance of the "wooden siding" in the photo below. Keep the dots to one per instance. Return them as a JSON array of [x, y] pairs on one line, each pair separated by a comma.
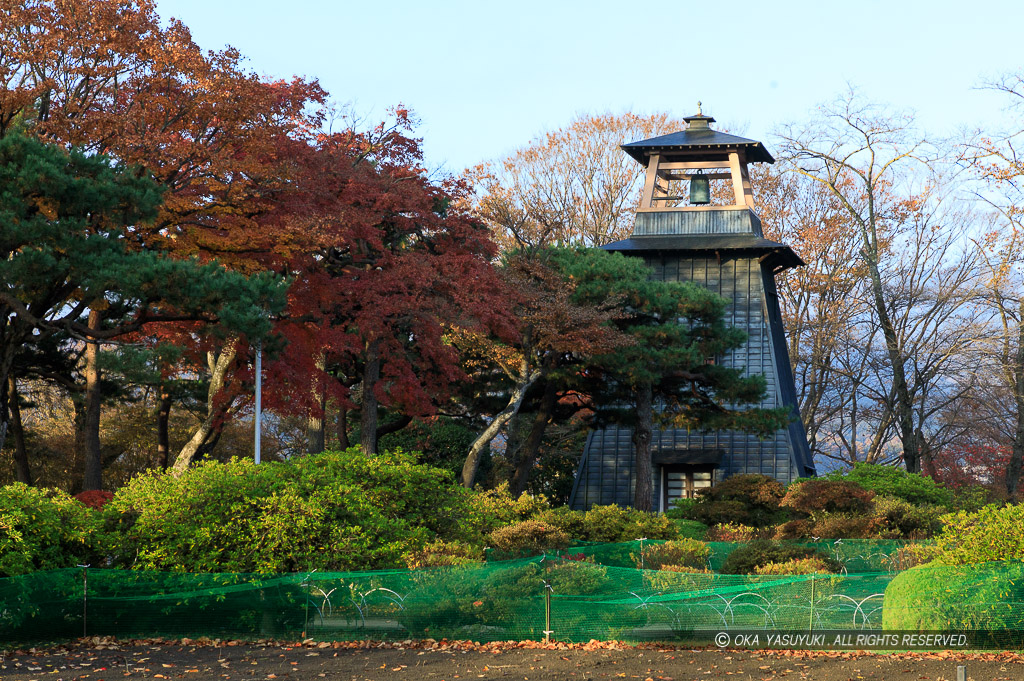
[[697, 222]]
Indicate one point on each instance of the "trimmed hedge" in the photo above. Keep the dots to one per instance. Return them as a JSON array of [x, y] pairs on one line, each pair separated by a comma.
[[988, 596]]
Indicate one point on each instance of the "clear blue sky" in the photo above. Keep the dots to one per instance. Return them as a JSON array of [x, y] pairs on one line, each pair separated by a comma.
[[485, 77]]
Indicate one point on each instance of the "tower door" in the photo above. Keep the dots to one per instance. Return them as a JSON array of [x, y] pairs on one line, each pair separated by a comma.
[[683, 482]]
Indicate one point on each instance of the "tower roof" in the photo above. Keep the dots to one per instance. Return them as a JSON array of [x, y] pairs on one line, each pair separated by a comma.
[[697, 136]]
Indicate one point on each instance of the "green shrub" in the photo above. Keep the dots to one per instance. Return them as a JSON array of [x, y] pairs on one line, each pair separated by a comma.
[[731, 532], [44, 529], [527, 538], [993, 533], [747, 499], [746, 559], [801, 528], [617, 524], [816, 496], [796, 566], [565, 519], [440, 553], [496, 508], [691, 529], [972, 498], [678, 578], [897, 518], [989, 596], [890, 481], [844, 526], [680, 552], [332, 511]]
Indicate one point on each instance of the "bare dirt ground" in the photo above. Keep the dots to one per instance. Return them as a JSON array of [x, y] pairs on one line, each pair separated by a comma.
[[110, 660]]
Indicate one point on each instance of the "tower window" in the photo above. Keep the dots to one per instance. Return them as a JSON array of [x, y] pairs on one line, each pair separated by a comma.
[[683, 482]]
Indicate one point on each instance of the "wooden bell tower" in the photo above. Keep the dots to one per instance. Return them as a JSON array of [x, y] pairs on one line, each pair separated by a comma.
[[685, 231]]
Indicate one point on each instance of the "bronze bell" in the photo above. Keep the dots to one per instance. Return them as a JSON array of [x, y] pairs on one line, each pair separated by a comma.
[[700, 189]]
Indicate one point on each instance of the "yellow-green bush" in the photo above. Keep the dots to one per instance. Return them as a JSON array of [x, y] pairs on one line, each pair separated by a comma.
[[332, 511], [680, 552], [44, 529], [527, 538], [796, 566]]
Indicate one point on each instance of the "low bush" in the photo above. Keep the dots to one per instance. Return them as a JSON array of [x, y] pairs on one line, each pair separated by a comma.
[[691, 529], [844, 526], [44, 529], [796, 566], [747, 558], [95, 499], [897, 518], [496, 508], [331, 511], [890, 481], [990, 534], [681, 552], [440, 553], [800, 528], [617, 524], [565, 519], [732, 532], [814, 497], [747, 499], [678, 578], [965, 597], [972, 498], [527, 538]]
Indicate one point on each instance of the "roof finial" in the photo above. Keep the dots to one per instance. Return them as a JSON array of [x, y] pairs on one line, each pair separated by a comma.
[[700, 112]]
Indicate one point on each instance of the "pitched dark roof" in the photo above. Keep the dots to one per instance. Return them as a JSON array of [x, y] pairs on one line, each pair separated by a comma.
[[782, 254], [696, 139]]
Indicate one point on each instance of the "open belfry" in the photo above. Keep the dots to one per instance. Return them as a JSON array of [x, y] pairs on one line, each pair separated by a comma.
[[685, 232]]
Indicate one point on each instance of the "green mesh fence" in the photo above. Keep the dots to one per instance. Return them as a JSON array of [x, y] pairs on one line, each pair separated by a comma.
[[856, 555], [571, 600]]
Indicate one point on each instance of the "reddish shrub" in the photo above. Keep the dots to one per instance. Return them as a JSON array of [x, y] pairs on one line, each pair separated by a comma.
[[843, 526], [95, 499], [813, 497], [794, 529]]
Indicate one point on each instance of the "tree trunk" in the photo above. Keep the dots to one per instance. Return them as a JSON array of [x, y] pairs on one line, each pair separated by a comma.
[[343, 442], [92, 476], [926, 460], [315, 433], [78, 448], [219, 366], [371, 375], [163, 421], [484, 439], [531, 446], [1016, 463], [643, 494], [22, 471], [904, 403]]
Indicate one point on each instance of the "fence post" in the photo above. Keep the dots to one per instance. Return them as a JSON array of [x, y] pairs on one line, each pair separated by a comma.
[[810, 622], [547, 611], [85, 599], [641, 540]]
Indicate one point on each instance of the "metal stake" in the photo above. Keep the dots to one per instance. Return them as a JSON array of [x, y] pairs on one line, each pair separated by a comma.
[[547, 612], [85, 598], [259, 398], [810, 622]]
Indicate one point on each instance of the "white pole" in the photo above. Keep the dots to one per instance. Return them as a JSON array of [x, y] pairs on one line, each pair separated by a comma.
[[259, 397]]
